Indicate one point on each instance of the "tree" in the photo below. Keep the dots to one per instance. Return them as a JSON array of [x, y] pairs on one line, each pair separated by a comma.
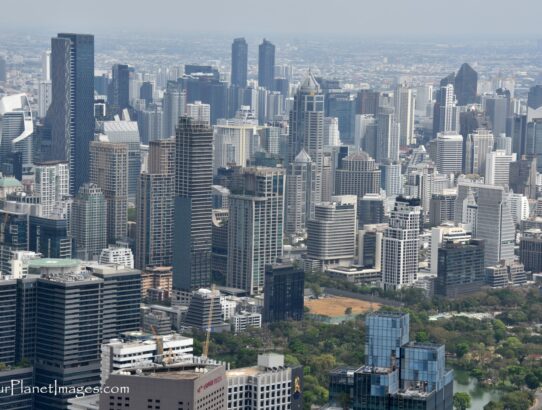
[[462, 401], [531, 380], [422, 336], [348, 311], [461, 349]]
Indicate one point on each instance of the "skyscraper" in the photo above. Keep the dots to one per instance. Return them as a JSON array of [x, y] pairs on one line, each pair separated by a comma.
[[466, 85], [193, 209], [299, 205], [45, 87], [404, 110], [71, 114], [3, 70], [357, 175], [51, 186], [522, 177], [284, 293], [449, 153], [307, 130], [239, 62], [266, 64], [174, 105], [119, 88], [387, 135], [256, 224], [400, 247], [89, 222], [109, 171], [478, 145], [498, 167]]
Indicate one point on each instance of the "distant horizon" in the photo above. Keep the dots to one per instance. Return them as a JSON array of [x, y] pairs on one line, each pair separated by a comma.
[[421, 19]]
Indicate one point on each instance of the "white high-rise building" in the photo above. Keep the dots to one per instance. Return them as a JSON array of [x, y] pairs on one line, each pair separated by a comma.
[[404, 110], [234, 141], [199, 112], [449, 116], [449, 153], [332, 136], [388, 132], [498, 167], [299, 205], [52, 186], [519, 206], [45, 87], [363, 123], [117, 255], [478, 145], [401, 247]]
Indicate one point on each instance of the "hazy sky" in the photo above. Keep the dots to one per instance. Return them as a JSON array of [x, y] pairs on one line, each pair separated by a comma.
[[368, 18]]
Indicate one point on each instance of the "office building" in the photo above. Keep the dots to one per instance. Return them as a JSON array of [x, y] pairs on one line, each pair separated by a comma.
[[306, 130], [146, 92], [109, 171], [391, 179], [387, 135], [199, 112], [154, 226], [497, 109], [192, 207], [371, 209], [234, 141], [448, 115], [266, 65], [173, 105], [124, 131], [219, 257], [269, 385], [50, 236], [331, 234], [385, 334], [119, 95], [239, 62], [530, 250], [16, 132], [441, 208], [283, 293], [51, 186], [506, 273], [522, 177], [341, 105], [71, 114], [404, 110], [532, 141], [466, 83], [3, 69], [449, 153], [14, 231], [117, 255], [498, 167], [495, 225], [151, 124], [256, 225], [89, 222], [478, 145], [460, 268], [370, 246], [188, 387], [299, 204], [357, 175], [204, 311], [400, 246]]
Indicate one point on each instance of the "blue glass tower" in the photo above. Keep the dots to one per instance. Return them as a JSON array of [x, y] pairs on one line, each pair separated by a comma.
[[71, 114], [386, 333]]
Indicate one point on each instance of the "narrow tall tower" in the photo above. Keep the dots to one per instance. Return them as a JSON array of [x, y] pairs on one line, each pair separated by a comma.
[[239, 62]]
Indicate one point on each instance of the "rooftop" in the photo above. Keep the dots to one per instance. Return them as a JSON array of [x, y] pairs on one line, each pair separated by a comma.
[[54, 263]]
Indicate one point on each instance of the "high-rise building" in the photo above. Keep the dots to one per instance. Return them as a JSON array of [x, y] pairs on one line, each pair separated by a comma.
[[266, 65], [341, 105], [174, 106], [45, 87], [256, 224], [447, 116], [51, 186], [89, 222], [299, 189], [466, 85], [16, 130], [109, 171], [199, 112], [387, 135], [205, 311], [306, 130], [404, 110], [146, 92], [371, 209], [530, 250], [357, 175], [124, 131], [239, 62], [331, 234], [234, 141], [391, 179], [119, 88], [14, 232], [478, 145], [494, 224], [386, 333], [332, 135], [192, 206], [151, 124], [71, 114], [441, 208], [533, 141], [283, 293], [498, 167], [460, 267], [522, 177], [497, 110], [449, 153], [3, 69], [400, 247]]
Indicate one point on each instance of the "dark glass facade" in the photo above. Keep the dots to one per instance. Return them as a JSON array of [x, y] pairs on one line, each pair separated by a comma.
[[283, 293]]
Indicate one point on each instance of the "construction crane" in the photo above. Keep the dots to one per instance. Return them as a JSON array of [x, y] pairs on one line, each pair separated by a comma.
[[209, 324]]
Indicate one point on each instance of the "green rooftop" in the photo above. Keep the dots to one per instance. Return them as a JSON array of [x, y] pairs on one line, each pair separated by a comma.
[[10, 182]]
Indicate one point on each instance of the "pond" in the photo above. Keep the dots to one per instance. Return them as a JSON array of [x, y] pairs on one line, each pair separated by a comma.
[[480, 395]]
